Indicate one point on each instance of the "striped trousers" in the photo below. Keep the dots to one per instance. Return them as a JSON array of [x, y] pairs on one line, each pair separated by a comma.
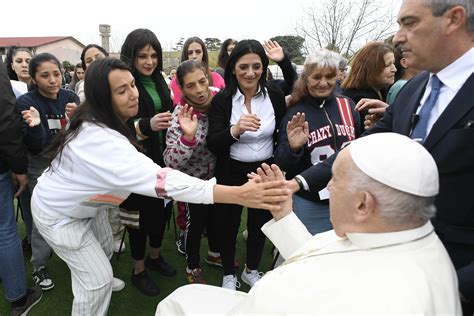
[[86, 247]]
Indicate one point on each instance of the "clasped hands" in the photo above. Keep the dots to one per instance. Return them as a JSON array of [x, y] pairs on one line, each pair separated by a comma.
[[273, 188]]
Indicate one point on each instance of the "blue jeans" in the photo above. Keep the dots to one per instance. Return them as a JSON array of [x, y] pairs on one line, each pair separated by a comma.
[[12, 268], [315, 216]]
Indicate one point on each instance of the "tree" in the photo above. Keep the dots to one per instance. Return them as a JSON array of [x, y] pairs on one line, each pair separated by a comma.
[[212, 44], [179, 44], [67, 65], [293, 45], [345, 25]]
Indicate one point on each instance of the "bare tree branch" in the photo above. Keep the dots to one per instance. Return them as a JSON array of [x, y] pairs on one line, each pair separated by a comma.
[[345, 25]]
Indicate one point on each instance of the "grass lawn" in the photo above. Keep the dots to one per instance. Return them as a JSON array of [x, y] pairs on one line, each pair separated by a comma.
[[130, 301]]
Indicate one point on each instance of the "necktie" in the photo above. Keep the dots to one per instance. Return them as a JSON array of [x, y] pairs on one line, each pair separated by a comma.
[[419, 132]]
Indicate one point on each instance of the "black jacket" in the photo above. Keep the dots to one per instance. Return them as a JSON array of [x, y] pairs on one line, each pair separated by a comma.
[[328, 130], [219, 138], [154, 145], [357, 94], [450, 142], [12, 151]]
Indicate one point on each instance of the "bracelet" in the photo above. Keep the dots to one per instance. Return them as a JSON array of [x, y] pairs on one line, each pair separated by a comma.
[[300, 183], [230, 130]]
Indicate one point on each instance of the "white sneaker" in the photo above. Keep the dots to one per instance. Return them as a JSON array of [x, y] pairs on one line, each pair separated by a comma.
[[251, 277], [230, 282], [117, 285], [117, 246]]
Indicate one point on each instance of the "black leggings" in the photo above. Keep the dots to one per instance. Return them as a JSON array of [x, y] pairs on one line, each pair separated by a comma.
[[198, 217], [228, 217], [153, 216]]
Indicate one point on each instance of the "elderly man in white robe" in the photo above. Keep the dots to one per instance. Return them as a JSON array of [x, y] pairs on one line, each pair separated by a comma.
[[383, 256]]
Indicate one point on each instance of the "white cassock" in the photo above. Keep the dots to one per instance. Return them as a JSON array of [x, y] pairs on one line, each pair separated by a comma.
[[399, 273]]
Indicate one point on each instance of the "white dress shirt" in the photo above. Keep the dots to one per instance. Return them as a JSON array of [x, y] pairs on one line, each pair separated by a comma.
[[453, 77], [398, 273], [253, 146]]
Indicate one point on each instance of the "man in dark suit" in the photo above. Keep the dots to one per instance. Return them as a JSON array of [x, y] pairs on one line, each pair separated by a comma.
[[436, 36]]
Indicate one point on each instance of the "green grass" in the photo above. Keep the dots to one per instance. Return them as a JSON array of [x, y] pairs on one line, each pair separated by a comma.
[[130, 301]]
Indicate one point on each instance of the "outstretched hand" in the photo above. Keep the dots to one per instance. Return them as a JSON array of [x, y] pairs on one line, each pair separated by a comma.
[[274, 50], [269, 174], [297, 130], [188, 122]]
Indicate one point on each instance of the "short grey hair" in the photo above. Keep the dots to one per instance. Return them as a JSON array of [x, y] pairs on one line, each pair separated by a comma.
[[439, 7], [396, 207], [323, 58]]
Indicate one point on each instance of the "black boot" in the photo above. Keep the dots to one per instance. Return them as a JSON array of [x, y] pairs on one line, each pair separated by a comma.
[[145, 284], [160, 265]]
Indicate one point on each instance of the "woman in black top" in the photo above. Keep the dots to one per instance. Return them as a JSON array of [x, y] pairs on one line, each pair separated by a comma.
[[372, 73], [142, 52], [243, 122]]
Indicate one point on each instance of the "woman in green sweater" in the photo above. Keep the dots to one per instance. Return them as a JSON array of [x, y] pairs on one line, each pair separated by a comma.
[[142, 52]]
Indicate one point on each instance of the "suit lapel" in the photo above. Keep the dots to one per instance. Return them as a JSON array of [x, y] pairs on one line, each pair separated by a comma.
[[457, 108]]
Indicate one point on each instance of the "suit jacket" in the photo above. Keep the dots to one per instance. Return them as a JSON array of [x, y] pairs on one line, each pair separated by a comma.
[[219, 138], [451, 143]]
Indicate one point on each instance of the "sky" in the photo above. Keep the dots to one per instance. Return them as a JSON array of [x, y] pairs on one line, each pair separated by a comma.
[[169, 19]]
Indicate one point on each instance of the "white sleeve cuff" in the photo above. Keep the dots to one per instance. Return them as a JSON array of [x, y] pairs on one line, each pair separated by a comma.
[[287, 234]]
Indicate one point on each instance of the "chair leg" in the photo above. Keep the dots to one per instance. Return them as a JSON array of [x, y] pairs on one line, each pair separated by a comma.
[[274, 259], [121, 243], [174, 223], [18, 208]]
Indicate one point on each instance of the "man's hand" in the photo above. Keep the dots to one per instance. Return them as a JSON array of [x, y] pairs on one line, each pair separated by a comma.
[[188, 122], [31, 116], [161, 121], [21, 181], [375, 108], [298, 132], [273, 50]]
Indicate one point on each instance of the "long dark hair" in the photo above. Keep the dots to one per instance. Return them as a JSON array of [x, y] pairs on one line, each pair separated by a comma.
[[205, 54], [367, 65], [137, 40], [39, 59], [83, 54], [9, 60], [97, 108], [186, 67], [223, 54], [244, 47]]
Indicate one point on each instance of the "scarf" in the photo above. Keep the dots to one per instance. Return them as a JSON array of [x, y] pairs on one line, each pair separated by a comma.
[[203, 108]]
